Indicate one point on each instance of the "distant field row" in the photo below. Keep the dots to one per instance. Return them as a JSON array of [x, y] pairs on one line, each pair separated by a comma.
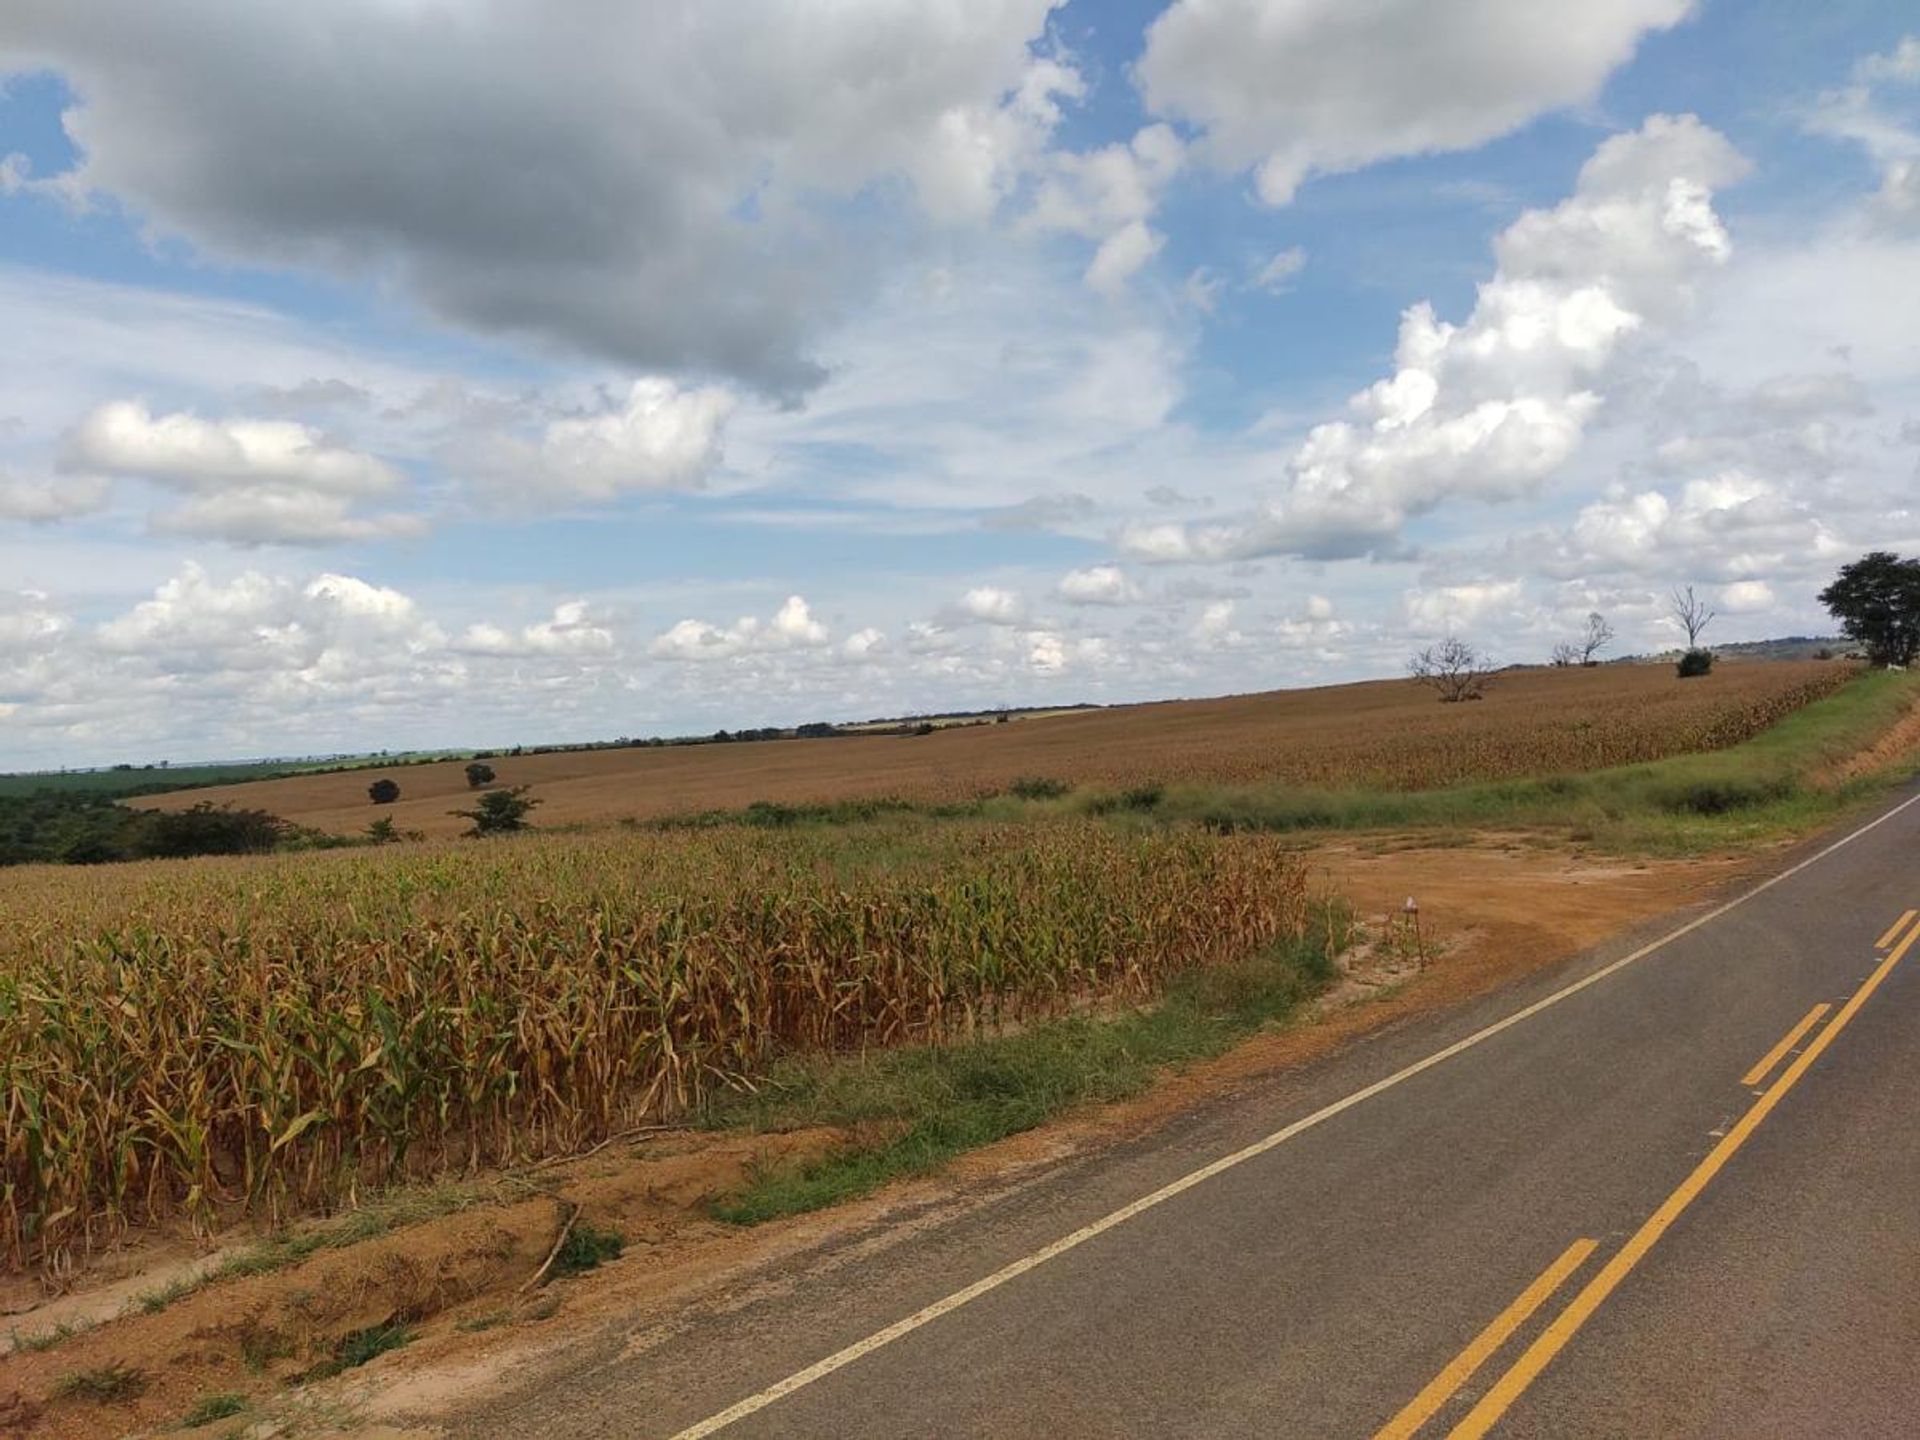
[[1385, 734]]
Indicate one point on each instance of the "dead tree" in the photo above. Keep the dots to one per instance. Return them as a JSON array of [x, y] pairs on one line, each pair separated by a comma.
[[1598, 636], [1692, 614], [1453, 669]]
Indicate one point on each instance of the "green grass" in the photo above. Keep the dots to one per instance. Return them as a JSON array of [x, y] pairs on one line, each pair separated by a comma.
[[357, 1348], [101, 1384], [587, 1247], [32, 1342], [209, 1408], [915, 1108]]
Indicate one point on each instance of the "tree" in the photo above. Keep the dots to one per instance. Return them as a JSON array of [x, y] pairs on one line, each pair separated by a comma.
[[1565, 655], [1876, 599], [499, 811], [205, 829], [1598, 635], [381, 831], [1692, 615], [384, 792], [478, 775], [1453, 668]]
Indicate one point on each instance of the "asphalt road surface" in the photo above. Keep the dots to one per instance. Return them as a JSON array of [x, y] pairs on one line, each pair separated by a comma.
[[1671, 1189]]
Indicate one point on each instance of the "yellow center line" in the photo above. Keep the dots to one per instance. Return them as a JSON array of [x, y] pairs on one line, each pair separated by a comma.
[[1459, 1370], [1537, 1356], [1787, 1042], [1894, 929]]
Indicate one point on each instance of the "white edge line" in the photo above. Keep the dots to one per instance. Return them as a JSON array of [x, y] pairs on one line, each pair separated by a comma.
[[820, 1369]]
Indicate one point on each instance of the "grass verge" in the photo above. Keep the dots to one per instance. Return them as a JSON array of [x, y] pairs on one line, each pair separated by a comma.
[[913, 1109]]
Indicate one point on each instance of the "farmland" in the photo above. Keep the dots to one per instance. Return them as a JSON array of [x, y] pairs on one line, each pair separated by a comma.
[[259, 1037], [1380, 734], [262, 1036]]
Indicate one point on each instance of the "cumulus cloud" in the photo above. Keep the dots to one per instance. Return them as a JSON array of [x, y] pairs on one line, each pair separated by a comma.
[[248, 481], [661, 185], [40, 502], [661, 436], [1108, 195], [791, 628], [1490, 408], [1451, 609], [571, 630], [1321, 86], [1098, 585], [992, 606]]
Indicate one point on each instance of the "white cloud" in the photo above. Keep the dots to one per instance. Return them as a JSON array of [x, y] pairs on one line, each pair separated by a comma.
[[1862, 113], [125, 438], [671, 140], [660, 437], [1488, 409], [1276, 277], [1323, 86], [1746, 596], [1109, 195], [1098, 585], [1453, 609], [572, 630], [44, 501], [992, 605], [791, 628], [248, 481], [1214, 629]]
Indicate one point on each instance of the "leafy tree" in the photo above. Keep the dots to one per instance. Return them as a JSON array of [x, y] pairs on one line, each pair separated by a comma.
[[384, 792], [1876, 599], [1453, 668], [499, 811], [1694, 663], [381, 831], [478, 775]]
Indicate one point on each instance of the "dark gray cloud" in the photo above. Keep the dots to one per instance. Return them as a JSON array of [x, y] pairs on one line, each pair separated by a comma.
[[659, 184]]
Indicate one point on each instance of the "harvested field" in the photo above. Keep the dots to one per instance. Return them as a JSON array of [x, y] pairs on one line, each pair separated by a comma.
[[1388, 734], [217, 1038]]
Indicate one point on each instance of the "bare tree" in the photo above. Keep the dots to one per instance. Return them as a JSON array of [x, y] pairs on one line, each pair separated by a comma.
[[1453, 668], [1599, 635], [1693, 614], [1565, 655]]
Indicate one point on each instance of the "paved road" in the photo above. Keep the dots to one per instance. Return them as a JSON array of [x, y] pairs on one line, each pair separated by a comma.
[[1596, 1219]]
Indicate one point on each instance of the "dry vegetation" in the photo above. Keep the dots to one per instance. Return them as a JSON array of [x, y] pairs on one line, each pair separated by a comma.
[[205, 1038], [1388, 734]]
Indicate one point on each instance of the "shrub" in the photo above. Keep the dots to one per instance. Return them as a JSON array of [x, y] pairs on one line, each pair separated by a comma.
[[1039, 787], [499, 811], [384, 792], [1695, 662], [205, 829], [478, 775]]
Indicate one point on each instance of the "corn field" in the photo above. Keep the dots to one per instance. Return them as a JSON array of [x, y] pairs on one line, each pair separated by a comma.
[[215, 1038]]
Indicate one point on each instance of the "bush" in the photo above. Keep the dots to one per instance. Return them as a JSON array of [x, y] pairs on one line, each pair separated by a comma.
[[1039, 787], [478, 775], [1694, 662], [499, 811], [206, 830], [384, 792]]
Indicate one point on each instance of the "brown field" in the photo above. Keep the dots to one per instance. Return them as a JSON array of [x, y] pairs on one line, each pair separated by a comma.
[[1389, 734]]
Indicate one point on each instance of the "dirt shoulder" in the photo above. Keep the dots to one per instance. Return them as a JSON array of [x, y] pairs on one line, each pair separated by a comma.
[[467, 1288]]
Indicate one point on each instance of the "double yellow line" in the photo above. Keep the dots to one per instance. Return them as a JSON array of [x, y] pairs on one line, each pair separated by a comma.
[[1549, 1343]]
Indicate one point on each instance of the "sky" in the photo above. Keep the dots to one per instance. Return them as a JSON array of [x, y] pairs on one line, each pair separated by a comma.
[[412, 373]]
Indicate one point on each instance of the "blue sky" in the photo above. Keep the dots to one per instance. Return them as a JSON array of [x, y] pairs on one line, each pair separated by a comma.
[[397, 375]]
